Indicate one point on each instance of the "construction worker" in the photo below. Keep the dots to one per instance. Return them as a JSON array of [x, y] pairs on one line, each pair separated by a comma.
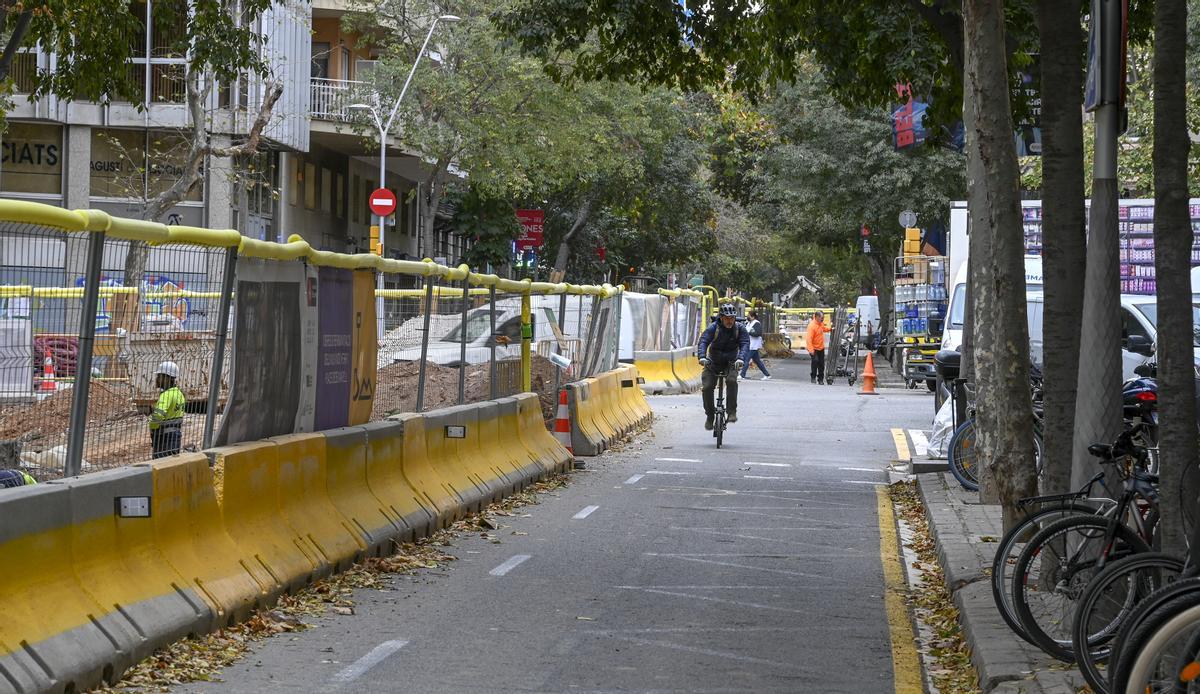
[[814, 342], [15, 478], [166, 421], [723, 349]]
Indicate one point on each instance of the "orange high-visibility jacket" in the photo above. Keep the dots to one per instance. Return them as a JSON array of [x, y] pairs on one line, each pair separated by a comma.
[[814, 338]]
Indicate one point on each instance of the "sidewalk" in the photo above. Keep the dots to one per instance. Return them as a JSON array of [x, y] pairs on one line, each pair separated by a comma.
[[966, 533]]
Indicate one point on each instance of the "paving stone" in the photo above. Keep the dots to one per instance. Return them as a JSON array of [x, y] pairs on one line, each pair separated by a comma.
[[1006, 663]]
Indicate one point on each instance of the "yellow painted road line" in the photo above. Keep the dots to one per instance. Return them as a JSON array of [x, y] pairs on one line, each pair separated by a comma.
[[906, 664], [902, 453]]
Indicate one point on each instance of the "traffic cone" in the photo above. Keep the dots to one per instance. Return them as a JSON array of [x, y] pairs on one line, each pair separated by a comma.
[[562, 422], [868, 377], [48, 384]]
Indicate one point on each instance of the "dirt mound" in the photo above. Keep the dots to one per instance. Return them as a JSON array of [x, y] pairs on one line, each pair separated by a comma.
[[107, 402]]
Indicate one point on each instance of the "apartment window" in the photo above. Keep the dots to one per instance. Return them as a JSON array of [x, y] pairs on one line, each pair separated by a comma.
[[326, 191], [294, 182], [138, 164], [320, 59], [310, 186], [157, 69], [362, 202], [344, 64], [355, 194], [339, 187]]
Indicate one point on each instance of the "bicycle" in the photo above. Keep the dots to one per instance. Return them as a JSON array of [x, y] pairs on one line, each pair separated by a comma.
[[1050, 508], [961, 453], [719, 411], [1107, 602], [1078, 548]]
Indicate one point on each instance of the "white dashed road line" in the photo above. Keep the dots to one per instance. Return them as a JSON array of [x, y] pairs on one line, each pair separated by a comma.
[[587, 511], [509, 565], [771, 464], [360, 667], [678, 460], [860, 469], [665, 472], [765, 477], [634, 480]]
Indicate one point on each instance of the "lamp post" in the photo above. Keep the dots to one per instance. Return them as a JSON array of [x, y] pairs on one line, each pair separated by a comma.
[[384, 128]]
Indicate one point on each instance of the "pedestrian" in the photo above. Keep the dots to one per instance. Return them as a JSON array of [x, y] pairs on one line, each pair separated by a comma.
[[15, 478], [754, 328], [166, 421], [814, 342], [722, 352]]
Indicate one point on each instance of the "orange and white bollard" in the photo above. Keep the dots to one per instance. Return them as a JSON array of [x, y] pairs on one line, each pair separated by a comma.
[[562, 422], [868, 377], [48, 384]]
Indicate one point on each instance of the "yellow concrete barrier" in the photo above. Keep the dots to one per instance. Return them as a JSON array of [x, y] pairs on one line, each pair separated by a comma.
[[346, 467], [191, 536], [420, 473], [385, 477], [606, 408], [442, 453], [254, 518], [302, 457], [655, 369], [551, 454], [687, 369], [506, 434]]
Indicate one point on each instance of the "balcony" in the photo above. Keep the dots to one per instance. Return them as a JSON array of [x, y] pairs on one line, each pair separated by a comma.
[[331, 98]]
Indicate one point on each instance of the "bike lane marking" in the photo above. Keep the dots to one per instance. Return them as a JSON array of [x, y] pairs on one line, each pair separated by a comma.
[[587, 511], [376, 656], [509, 565], [634, 479]]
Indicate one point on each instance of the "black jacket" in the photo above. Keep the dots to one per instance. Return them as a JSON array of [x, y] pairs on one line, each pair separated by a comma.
[[725, 345]]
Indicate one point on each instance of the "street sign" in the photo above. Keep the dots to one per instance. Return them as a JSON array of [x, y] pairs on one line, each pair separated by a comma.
[[382, 202], [532, 224], [908, 218]]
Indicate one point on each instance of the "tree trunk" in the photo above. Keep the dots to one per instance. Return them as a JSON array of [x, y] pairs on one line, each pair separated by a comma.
[[429, 205], [885, 279], [1064, 231], [564, 246], [1001, 347], [1172, 266]]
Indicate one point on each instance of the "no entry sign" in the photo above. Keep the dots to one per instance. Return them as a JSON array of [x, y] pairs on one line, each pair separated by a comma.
[[382, 202]]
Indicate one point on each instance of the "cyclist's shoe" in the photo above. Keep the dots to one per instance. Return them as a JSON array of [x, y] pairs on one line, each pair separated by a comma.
[[812, 379], [708, 423], [766, 378], [732, 416]]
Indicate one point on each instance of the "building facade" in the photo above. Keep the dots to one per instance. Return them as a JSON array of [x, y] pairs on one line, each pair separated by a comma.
[[312, 178]]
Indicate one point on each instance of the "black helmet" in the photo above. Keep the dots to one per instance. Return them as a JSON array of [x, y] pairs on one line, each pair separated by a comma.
[[728, 310]]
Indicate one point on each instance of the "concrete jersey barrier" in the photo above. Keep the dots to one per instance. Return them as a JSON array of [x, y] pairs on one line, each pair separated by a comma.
[[687, 369], [93, 591], [655, 369], [606, 408]]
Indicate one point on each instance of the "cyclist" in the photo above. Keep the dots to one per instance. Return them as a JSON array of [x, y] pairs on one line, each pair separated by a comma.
[[722, 351]]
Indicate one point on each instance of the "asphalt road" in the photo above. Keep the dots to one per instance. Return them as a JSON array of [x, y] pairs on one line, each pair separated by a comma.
[[670, 566]]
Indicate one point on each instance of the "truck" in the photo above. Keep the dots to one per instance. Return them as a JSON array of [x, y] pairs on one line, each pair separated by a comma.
[[1138, 306]]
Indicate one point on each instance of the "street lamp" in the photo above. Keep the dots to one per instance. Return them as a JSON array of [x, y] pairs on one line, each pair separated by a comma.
[[384, 129]]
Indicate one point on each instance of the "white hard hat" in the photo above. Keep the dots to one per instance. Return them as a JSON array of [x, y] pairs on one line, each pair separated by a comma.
[[168, 368]]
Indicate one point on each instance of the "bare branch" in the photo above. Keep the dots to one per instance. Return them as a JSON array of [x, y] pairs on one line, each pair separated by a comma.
[[14, 41], [250, 145]]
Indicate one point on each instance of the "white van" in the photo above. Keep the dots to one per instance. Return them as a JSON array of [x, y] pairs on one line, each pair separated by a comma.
[[956, 312], [867, 310]]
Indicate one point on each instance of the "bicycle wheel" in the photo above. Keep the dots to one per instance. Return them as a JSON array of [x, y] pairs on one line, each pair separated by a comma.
[[961, 454], [1159, 652], [1107, 600], [1010, 548], [1053, 569], [1138, 616], [719, 428], [1039, 451]]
